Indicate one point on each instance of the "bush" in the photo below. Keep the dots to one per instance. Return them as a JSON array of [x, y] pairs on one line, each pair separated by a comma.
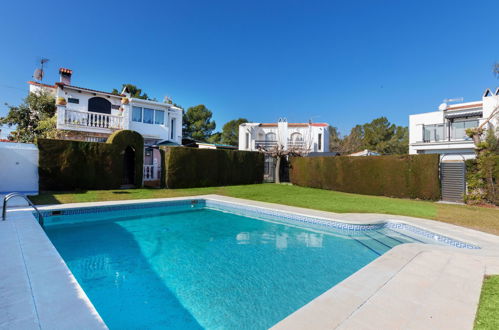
[[407, 176], [482, 179], [70, 165], [191, 167]]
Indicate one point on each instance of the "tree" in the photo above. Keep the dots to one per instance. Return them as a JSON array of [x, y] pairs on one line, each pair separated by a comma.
[[335, 141], [353, 142], [230, 131], [133, 90], [33, 118], [386, 138], [215, 138], [197, 123], [495, 69]]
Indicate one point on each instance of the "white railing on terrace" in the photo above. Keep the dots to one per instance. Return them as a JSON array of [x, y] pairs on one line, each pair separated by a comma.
[[151, 172], [92, 119]]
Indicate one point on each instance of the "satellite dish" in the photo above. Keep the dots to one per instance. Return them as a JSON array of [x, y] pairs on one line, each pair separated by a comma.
[[442, 106], [38, 75]]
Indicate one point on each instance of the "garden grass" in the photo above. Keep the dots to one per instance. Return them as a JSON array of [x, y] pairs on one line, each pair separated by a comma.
[[487, 317], [479, 218]]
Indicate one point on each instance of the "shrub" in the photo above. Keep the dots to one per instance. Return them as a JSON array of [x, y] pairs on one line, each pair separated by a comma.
[[191, 167], [406, 176], [70, 165]]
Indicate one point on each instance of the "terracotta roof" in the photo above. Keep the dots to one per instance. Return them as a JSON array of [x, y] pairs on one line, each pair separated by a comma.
[[40, 84], [86, 89], [296, 125], [64, 70], [467, 106]]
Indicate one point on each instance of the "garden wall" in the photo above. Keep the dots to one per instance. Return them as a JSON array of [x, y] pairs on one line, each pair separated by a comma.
[[404, 176], [192, 167], [73, 165]]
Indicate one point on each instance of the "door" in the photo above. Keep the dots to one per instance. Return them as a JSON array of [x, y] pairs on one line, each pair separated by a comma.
[[453, 180], [129, 166]]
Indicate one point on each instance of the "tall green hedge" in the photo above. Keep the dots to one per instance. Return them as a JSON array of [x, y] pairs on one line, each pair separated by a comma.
[[70, 165], [191, 167], [405, 176]]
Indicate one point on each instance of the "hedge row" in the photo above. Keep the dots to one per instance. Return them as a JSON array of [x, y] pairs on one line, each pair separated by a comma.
[[70, 165], [406, 176], [192, 167]]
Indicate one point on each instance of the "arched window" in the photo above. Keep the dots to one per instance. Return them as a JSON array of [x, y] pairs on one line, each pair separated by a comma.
[[99, 104], [296, 137], [270, 137]]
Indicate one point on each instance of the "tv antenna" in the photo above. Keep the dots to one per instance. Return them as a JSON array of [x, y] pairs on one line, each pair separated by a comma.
[[38, 74], [457, 99]]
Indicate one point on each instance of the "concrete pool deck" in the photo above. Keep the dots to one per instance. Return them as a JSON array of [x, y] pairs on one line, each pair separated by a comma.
[[412, 286]]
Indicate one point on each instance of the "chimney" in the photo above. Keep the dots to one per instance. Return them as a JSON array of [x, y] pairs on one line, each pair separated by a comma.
[[65, 76]]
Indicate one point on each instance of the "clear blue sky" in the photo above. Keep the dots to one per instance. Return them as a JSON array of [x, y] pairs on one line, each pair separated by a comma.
[[338, 62]]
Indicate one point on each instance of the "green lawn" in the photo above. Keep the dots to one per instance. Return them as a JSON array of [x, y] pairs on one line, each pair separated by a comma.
[[479, 218], [487, 317]]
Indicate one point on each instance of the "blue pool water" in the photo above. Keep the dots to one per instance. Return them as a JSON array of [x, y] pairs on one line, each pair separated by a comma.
[[190, 267]]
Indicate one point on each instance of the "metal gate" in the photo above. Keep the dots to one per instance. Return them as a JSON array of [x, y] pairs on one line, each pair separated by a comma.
[[453, 179]]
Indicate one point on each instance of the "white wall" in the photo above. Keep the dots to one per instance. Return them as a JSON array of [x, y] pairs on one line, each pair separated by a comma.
[[18, 167]]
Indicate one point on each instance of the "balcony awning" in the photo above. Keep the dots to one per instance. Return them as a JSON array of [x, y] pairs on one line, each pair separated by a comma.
[[475, 113]]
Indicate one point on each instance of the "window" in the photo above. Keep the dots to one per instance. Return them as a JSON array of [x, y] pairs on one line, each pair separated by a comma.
[[433, 132], [458, 129], [99, 104], [270, 137], [159, 117], [73, 100], [148, 116], [137, 114], [320, 141], [247, 141], [173, 129]]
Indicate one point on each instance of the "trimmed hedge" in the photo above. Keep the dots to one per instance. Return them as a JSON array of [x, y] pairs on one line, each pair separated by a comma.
[[405, 176], [70, 165], [192, 167]]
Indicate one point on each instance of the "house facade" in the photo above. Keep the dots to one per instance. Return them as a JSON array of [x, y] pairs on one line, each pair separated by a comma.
[[308, 138], [90, 115], [444, 131]]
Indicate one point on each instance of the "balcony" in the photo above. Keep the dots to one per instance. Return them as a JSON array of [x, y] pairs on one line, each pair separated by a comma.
[[448, 132], [265, 144], [89, 121]]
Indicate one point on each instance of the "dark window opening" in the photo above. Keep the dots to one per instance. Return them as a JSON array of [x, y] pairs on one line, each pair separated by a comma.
[[73, 100], [100, 105]]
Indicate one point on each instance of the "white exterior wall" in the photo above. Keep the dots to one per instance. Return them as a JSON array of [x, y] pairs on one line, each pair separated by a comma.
[[453, 149], [148, 131], [284, 132], [18, 168]]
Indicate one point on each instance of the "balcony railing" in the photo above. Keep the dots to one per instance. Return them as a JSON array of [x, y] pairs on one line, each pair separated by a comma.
[[92, 119], [264, 144], [453, 131]]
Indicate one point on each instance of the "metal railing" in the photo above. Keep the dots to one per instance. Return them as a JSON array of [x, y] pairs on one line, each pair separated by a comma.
[[12, 195], [92, 119]]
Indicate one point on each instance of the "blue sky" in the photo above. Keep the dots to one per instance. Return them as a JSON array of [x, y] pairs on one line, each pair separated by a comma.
[[342, 62]]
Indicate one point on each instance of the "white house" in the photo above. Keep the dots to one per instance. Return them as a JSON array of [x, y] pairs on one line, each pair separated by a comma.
[[444, 131], [311, 138], [91, 115]]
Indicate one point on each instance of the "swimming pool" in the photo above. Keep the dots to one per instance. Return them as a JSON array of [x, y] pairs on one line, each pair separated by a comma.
[[204, 264]]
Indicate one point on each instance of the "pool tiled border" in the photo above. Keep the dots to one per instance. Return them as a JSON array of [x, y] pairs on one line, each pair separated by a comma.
[[254, 211]]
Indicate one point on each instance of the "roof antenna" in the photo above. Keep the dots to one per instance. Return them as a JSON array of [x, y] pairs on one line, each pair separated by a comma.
[[38, 74]]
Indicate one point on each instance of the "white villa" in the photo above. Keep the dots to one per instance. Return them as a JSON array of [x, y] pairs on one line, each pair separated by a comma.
[[92, 115], [444, 131], [311, 138]]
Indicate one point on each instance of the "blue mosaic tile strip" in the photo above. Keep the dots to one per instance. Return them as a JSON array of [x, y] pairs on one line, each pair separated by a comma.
[[121, 207], [254, 211], [395, 226]]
